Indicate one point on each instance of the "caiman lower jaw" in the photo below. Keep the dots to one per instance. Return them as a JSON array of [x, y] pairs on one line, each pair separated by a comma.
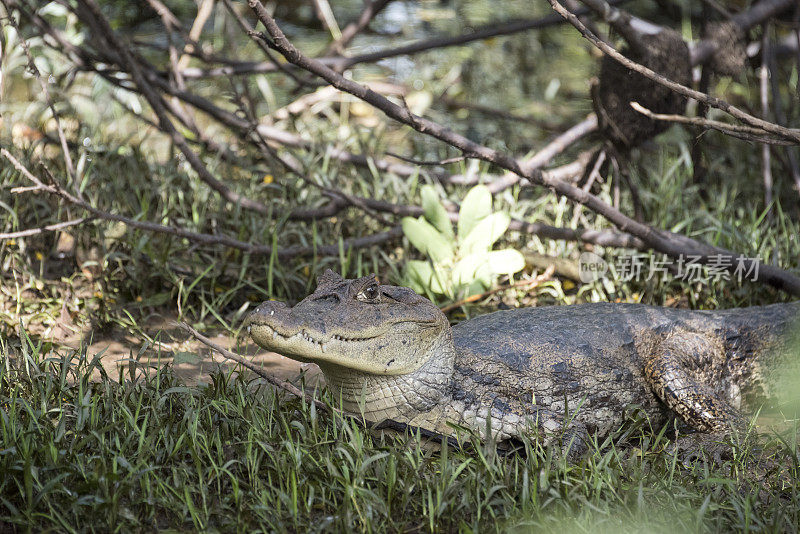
[[365, 354], [269, 337]]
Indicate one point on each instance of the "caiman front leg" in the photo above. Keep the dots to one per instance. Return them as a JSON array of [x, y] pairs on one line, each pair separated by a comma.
[[569, 436], [681, 372]]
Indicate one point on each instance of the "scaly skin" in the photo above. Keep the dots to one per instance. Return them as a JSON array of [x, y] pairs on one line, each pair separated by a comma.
[[570, 371]]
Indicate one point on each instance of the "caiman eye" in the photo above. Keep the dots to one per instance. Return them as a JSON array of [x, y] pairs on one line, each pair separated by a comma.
[[371, 293]]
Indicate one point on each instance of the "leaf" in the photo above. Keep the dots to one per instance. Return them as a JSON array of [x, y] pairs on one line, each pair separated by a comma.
[[435, 212], [426, 239], [422, 274], [464, 272], [475, 288], [476, 205], [484, 276], [418, 274], [485, 233], [506, 261]]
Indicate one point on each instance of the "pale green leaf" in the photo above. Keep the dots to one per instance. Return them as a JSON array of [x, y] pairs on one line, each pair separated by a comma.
[[485, 233], [435, 212], [427, 239], [422, 276], [464, 271], [506, 261], [484, 276], [476, 205]]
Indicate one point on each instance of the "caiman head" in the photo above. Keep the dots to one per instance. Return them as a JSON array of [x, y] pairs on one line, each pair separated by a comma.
[[358, 325]]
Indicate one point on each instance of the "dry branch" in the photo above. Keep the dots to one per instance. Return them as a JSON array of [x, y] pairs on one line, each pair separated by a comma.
[[49, 228], [746, 133], [508, 27], [275, 381], [106, 34]]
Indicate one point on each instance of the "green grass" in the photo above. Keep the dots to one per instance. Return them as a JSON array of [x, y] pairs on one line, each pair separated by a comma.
[[121, 455]]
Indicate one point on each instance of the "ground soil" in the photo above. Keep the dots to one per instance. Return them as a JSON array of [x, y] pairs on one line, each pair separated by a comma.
[[191, 360]]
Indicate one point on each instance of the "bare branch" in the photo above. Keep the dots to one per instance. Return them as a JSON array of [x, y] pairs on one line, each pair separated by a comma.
[[101, 25], [267, 52], [426, 163], [206, 239], [507, 27], [275, 381], [43, 229], [741, 131]]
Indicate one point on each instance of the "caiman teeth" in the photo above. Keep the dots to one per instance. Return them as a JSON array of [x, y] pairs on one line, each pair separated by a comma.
[[305, 336]]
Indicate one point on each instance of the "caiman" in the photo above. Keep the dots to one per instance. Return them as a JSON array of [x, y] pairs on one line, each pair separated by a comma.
[[561, 371]]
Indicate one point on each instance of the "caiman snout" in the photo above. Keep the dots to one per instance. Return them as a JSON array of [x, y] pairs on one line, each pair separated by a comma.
[[268, 313], [265, 310]]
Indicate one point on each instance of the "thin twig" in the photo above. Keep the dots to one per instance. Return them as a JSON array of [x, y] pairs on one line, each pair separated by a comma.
[[388, 424], [56, 116], [274, 380], [427, 163], [92, 12], [497, 29], [748, 133], [206, 239], [278, 66], [550, 151], [49, 228]]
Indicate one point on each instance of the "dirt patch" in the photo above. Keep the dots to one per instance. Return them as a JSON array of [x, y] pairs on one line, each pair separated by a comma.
[[193, 362]]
